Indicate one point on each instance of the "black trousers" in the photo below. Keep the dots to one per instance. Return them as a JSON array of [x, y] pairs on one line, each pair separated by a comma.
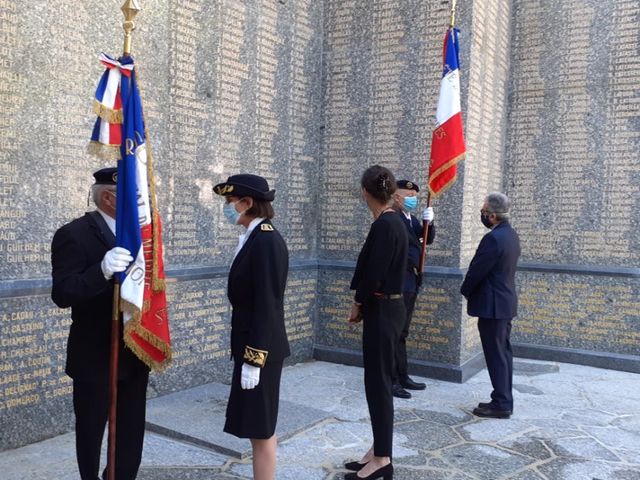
[[402, 365], [382, 323], [91, 405], [495, 336]]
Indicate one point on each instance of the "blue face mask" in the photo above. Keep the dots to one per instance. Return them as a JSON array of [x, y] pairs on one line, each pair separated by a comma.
[[411, 203], [231, 213]]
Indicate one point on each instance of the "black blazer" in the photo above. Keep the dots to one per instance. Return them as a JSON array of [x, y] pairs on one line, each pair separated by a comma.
[[382, 262], [489, 285], [76, 252], [256, 286]]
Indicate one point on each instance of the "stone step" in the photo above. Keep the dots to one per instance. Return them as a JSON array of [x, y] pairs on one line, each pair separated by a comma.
[[197, 416]]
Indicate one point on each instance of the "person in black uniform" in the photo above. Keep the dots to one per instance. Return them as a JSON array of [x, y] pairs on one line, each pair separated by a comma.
[[378, 281], [84, 259], [490, 290], [406, 202], [259, 344]]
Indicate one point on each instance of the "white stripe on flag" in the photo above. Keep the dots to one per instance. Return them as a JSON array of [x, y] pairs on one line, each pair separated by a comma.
[[449, 99], [132, 289], [144, 209]]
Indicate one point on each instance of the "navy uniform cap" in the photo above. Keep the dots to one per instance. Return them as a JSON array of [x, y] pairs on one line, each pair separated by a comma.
[[106, 176], [407, 185], [246, 185]]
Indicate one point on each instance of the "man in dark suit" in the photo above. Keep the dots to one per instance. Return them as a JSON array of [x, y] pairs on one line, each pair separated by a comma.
[[490, 289], [84, 260], [406, 203]]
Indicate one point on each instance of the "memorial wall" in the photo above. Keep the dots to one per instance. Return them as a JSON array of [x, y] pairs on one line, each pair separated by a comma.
[[308, 94], [572, 170]]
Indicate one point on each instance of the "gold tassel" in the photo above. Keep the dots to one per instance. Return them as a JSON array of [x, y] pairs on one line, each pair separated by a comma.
[[107, 114], [109, 153]]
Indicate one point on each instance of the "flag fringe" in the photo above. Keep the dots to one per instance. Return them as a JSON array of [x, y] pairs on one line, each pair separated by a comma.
[[134, 326], [107, 114], [446, 166], [444, 188], [109, 153]]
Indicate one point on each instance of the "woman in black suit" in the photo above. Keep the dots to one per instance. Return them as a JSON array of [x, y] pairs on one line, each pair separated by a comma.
[[378, 281], [259, 344]]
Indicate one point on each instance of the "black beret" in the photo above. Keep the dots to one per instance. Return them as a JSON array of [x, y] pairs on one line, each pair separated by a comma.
[[246, 185], [407, 185], [106, 176]]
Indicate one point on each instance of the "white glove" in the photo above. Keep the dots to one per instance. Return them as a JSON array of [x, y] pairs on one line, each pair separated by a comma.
[[115, 260], [250, 376], [427, 214]]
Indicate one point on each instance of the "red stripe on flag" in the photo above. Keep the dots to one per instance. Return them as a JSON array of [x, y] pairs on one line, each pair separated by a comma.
[[115, 134], [447, 149]]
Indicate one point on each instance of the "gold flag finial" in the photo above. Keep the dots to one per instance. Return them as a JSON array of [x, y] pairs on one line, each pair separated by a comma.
[[130, 9]]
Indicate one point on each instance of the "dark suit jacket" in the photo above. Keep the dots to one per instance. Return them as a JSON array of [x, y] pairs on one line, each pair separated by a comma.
[[382, 262], [256, 286], [489, 285], [414, 231], [76, 252]]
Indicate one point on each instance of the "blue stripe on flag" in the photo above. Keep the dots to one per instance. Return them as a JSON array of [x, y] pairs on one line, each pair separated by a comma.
[[102, 86], [451, 51], [127, 220]]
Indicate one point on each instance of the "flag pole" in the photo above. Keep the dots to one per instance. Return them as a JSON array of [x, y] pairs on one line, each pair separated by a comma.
[[425, 224], [130, 9]]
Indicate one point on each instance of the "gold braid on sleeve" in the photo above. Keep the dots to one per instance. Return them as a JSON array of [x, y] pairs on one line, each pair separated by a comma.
[[255, 357]]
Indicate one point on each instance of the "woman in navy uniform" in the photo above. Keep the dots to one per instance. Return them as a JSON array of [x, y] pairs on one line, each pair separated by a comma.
[[259, 344], [378, 281]]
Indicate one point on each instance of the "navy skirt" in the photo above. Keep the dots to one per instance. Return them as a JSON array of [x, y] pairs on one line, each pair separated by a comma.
[[254, 413]]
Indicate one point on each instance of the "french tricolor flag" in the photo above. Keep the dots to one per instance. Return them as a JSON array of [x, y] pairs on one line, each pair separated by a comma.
[[119, 132], [447, 142]]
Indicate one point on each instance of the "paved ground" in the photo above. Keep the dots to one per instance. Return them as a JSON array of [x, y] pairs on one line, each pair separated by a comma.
[[570, 422]]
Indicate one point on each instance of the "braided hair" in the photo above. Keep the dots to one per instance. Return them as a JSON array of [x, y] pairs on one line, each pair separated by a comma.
[[379, 182]]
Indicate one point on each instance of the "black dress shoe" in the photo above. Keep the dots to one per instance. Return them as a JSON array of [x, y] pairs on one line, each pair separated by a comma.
[[491, 412], [355, 466], [411, 385], [385, 472], [400, 392]]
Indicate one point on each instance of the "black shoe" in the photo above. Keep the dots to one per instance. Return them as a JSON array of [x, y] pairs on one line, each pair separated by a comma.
[[490, 412], [400, 392], [485, 405], [355, 466], [411, 385], [385, 473]]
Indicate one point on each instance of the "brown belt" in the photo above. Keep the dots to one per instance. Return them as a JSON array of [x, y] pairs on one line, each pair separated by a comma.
[[388, 296]]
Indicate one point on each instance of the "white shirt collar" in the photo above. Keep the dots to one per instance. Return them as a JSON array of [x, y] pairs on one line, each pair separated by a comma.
[[242, 238], [406, 214], [111, 222], [254, 223]]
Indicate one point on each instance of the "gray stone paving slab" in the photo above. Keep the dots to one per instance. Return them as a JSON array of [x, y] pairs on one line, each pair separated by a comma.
[[569, 432], [494, 430], [197, 415], [485, 461], [614, 437], [570, 469], [531, 447], [427, 436], [582, 447]]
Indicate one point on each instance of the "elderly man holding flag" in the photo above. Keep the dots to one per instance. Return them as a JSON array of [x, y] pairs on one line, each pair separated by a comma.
[[108, 265]]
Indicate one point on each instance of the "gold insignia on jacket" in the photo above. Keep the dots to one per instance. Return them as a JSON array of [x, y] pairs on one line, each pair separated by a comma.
[[255, 357]]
